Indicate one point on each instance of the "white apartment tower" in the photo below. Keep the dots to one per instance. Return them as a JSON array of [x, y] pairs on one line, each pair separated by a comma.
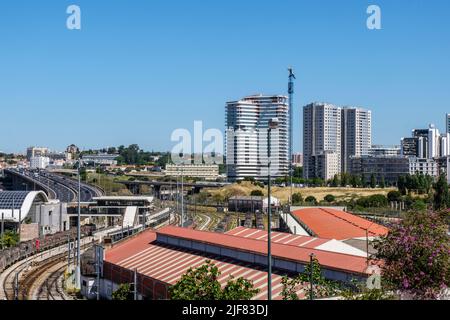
[[247, 123], [356, 134], [331, 135], [321, 140]]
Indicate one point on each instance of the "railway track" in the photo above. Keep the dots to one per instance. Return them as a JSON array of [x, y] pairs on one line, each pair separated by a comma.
[[33, 274]]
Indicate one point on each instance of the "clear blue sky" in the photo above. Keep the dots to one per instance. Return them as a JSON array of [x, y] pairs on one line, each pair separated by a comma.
[[140, 69]]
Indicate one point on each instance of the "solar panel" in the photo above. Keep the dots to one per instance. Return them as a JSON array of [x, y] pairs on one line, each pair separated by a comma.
[[10, 198]]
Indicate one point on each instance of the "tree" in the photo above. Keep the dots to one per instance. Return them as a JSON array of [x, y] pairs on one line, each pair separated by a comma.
[[330, 198], [440, 193], [321, 286], [9, 239], [202, 284], [394, 196], [373, 181], [123, 293], [257, 193], [363, 180], [297, 198], [335, 182], [401, 184], [382, 183], [416, 256], [311, 200], [419, 205]]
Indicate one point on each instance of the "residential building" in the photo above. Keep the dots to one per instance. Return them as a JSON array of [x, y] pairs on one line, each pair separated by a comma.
[[356, 133], [39, 162], [204, 171], [331, 135], [321, 136], [247, 124], [36, 152], [297, 159], [423, 166]]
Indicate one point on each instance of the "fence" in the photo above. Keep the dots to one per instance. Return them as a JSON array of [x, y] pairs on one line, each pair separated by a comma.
[[25, 249]]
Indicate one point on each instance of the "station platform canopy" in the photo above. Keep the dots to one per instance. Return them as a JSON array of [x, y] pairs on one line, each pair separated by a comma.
[[15, 205]]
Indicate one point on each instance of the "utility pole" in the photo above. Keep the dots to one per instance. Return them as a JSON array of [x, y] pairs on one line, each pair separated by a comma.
[[182, 199], [273, 124], [291, 126], [78, 268], [3, 227], [311, 278], [135, 284]]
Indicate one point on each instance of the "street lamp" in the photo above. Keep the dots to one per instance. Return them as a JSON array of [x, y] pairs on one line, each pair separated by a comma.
[[273, 124], [78, 267]]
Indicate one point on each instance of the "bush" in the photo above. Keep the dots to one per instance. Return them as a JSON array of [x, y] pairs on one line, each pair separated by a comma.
[[297, 198], [257, 193], [416, 255], [123, 293], [311, 200], [330, 198], [394, 196], [374, 201]]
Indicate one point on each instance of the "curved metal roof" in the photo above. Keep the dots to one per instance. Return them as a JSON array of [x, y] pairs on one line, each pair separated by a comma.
[[18, 203]]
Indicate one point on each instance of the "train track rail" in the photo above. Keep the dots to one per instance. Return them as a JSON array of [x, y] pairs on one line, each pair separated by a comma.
[[34, 273]]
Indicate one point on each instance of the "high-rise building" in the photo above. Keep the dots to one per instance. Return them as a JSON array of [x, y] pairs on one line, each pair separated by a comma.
[[247, 124], [447, 122], [321, 134], [356, 134], [328, 129]]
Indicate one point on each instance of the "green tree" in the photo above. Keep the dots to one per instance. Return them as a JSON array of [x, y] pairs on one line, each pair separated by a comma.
[[321, 287], [394, 196], [382, 183], [441, 193], [401, 184], [330, 198], [335, 182], [123, 293], [9, 239], [202, 284], [373, 181], [311, 200], [297, 198]]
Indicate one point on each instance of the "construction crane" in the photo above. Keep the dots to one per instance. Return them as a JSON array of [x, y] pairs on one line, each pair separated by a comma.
[[291, 125]]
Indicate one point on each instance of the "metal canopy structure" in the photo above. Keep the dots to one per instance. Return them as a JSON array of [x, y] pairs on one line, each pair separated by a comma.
[[15, 204]]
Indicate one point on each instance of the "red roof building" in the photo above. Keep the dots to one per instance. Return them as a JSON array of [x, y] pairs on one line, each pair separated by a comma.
[[336, 224], [162, 257]]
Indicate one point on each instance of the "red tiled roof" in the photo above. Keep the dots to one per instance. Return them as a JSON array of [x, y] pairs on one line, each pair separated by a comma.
[[331, 260], [169, 264], [336, 224], [278, 237]]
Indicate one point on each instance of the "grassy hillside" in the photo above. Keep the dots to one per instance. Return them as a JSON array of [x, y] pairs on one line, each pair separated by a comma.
[[245, 188]]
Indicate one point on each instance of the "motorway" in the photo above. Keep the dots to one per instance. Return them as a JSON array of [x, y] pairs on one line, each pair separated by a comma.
[[65, 188]]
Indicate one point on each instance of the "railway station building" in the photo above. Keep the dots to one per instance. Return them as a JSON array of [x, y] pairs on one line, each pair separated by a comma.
[[33, 212]]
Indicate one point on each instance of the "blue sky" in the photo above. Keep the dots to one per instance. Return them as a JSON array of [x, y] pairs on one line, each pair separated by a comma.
[[140, 69]]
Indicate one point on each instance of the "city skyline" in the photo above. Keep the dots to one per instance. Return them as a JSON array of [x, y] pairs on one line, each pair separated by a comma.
[[81, 79]]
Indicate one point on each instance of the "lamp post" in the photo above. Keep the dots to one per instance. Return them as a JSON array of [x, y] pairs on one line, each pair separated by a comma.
[[78, 267], [273, 124]]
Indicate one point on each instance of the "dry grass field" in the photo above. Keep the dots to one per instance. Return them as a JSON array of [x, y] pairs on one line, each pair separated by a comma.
[[245, 188]]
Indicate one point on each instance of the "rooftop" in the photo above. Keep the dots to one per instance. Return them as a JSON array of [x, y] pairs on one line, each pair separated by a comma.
[[336, 224]]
